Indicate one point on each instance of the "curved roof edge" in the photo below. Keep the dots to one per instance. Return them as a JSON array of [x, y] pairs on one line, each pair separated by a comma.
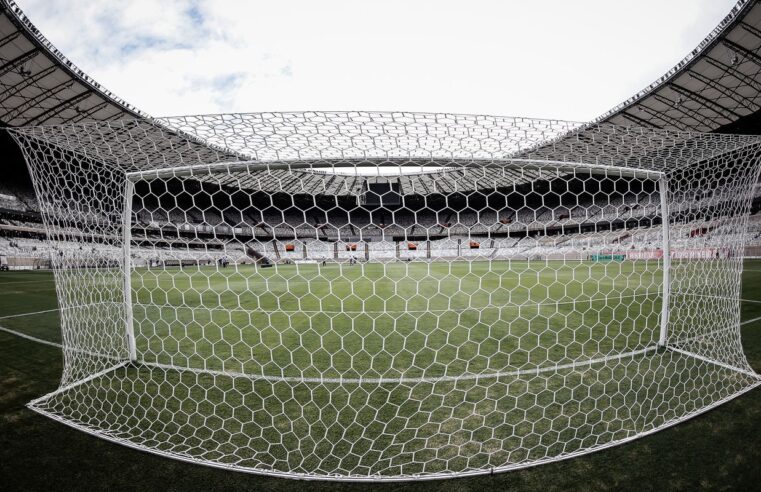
[[23, 23], [735, 16]]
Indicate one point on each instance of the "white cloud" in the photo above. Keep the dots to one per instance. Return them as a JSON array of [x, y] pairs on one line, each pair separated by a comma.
[[555, 58]]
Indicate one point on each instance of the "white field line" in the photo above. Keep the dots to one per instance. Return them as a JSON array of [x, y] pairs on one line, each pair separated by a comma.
[[29, 314], [723, 298], [403, 380], [748, 321], [20, 315], [577, 301], [54, 344], [714, 332], [28, 282], [79, 383], [30, 337], [57, 345]]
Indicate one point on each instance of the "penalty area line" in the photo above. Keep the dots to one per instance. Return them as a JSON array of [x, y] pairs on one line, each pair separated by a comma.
[[748, 321], [58, 345], [30, 337], [29, 314]]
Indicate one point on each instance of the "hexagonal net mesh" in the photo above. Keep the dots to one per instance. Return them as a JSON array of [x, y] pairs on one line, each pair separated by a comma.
[[391, 296]]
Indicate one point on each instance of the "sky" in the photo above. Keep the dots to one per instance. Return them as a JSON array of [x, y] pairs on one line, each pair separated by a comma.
[[562, 59]]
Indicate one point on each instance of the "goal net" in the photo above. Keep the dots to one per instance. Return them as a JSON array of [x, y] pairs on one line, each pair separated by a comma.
[[369, 296]]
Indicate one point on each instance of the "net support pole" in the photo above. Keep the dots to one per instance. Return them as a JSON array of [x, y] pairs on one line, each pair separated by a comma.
[[126, 239], [664, 191]]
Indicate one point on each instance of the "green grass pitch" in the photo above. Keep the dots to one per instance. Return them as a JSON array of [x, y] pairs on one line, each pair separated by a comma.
[[304, 297], [394, 320]]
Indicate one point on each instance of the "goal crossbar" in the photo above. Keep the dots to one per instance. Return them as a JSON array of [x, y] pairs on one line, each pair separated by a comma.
[[391, 162]]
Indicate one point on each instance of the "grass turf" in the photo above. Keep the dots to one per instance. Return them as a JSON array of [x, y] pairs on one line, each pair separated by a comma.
[[394, 320], [31, 373]]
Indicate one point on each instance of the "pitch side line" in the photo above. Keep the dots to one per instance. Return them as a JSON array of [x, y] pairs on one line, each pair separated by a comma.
[[411, 311], [78, 383], [20, 315], [714, 332], [715, 362], [750, 321], [81, 306]]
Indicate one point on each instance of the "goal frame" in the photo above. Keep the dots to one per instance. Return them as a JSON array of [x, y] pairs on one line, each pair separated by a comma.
[[659, 177]]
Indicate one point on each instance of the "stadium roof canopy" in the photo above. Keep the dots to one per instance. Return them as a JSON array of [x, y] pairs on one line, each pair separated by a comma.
[[714, 87], [40, 86]]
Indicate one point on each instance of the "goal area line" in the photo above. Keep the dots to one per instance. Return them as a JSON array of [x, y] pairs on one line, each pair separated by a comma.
[[401, 380], [404, 380]]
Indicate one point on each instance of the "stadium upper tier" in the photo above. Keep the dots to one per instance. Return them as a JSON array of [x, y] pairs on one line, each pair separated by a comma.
[[320, 142]]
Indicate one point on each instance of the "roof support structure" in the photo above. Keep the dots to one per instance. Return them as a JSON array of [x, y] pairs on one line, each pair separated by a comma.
[[638, 121], [32, 102], [743, 51], [662, 116], [684, 110], [11, 65], [703, 100], [728, 70], [49, 113], [26, 82], [751, 29], [726, 91], [9, 38], [88, 113]]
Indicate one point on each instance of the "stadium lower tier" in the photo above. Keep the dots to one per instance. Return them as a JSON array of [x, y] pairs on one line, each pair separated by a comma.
[[638, 243]]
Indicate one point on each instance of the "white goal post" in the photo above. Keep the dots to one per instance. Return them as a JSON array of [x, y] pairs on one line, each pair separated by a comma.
[[390, 296]]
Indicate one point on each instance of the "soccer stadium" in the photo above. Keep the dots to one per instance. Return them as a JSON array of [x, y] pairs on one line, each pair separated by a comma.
[[243, 299]]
